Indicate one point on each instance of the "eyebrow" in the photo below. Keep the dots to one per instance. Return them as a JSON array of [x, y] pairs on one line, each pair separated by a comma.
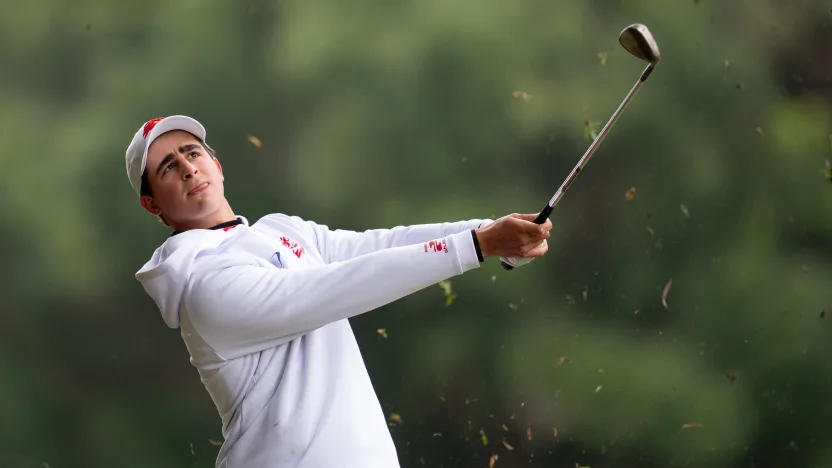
[[169, 157]]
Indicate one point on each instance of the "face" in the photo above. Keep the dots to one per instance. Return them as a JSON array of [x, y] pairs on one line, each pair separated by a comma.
[[187, 183]]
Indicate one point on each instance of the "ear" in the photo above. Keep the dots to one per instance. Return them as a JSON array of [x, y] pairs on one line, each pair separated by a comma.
[[150, 205], [219, 167]]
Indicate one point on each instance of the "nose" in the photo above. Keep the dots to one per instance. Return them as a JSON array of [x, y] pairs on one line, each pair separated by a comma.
[[189, 170]]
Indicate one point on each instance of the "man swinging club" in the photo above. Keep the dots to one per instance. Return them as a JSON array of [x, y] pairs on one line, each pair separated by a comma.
[[263, 307]]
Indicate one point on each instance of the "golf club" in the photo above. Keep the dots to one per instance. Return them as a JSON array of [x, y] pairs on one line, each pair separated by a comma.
[[638, 41]]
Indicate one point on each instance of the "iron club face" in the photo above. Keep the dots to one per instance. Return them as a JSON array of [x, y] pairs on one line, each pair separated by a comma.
[[638, 41]]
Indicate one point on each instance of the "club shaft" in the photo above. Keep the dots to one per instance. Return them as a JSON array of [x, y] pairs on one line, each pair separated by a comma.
[[595, 143], [547, 211]]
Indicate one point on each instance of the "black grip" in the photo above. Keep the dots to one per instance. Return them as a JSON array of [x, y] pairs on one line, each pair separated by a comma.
[[544, 215], [541, 218]]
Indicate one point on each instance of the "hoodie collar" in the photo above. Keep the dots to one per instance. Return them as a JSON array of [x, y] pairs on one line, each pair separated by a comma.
[[166, 275], [224, 226]]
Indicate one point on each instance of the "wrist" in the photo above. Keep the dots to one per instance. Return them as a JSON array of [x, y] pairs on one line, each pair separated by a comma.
[[477, 245], [482, 243]]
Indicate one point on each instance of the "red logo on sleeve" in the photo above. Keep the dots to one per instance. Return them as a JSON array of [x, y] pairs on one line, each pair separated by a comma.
[[436, 246], [292, 245]]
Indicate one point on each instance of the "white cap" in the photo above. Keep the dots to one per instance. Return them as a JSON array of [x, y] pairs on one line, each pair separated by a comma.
[[149, 131]]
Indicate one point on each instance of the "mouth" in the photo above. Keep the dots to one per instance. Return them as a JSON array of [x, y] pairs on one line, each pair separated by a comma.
[[199, 188]]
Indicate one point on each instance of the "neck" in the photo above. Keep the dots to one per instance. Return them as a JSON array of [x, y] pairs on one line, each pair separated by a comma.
[[222, 215]]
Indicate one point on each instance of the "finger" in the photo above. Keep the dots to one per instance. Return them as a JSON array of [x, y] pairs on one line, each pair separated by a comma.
[[536, 250], [530, 218], [538, 233], [530, 228]]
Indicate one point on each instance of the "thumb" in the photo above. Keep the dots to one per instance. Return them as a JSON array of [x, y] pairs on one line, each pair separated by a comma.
[[525, 217]]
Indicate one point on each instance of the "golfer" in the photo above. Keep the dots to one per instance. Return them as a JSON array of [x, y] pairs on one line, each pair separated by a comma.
[[263, 307]]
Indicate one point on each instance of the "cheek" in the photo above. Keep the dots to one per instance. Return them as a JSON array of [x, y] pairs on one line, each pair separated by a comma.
[[208, 166], [167, 194]]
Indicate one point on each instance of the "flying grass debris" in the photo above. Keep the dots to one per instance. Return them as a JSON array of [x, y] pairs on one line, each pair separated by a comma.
[[382, 332], [255, 141], [603, 57], [508, 446], [215, 443], [631, 193], [685, 211], [520, 94], [664, 294], [483, 437], [492, 460], [691, 424], [591, 129], [447, 291]]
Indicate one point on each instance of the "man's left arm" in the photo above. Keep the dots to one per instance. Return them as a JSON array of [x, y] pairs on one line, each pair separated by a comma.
[[339, 244]]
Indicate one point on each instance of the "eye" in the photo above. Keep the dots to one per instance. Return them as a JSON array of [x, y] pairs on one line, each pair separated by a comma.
[[169, 167], [194, 154]]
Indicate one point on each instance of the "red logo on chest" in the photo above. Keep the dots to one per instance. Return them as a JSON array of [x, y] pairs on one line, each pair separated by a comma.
[[292, 245], [436, 246]]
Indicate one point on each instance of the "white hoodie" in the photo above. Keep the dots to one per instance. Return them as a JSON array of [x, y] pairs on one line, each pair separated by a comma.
[[263, 312]]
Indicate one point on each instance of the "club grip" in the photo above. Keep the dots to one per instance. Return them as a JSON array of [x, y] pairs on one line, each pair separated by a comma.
[[544, 215], [541, 218]]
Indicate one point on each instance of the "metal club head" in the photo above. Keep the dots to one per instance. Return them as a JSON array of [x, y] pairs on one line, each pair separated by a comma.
[[638, 40]]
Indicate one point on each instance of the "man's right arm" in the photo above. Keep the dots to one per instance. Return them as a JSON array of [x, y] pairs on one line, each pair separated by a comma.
[[239, 307]]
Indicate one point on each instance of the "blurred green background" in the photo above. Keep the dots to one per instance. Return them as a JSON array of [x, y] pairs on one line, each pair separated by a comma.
[[382, 113]]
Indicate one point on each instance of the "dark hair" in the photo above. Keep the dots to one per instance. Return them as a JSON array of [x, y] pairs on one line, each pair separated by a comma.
[[145, 188]]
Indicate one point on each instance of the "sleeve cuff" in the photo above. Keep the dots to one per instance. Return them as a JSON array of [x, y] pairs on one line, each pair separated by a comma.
[[477, 245], [466, 252]]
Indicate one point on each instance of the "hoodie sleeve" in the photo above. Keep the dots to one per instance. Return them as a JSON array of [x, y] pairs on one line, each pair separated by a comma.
[[339, 245], [240, 307]]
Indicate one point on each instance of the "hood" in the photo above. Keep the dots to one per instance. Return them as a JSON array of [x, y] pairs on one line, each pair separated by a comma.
[[165, 276]]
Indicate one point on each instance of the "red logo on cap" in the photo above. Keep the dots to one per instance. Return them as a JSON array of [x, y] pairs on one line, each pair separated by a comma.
[[150, 124]]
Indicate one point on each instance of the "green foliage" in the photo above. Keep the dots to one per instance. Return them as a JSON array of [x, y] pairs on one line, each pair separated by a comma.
[[379, 113]]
